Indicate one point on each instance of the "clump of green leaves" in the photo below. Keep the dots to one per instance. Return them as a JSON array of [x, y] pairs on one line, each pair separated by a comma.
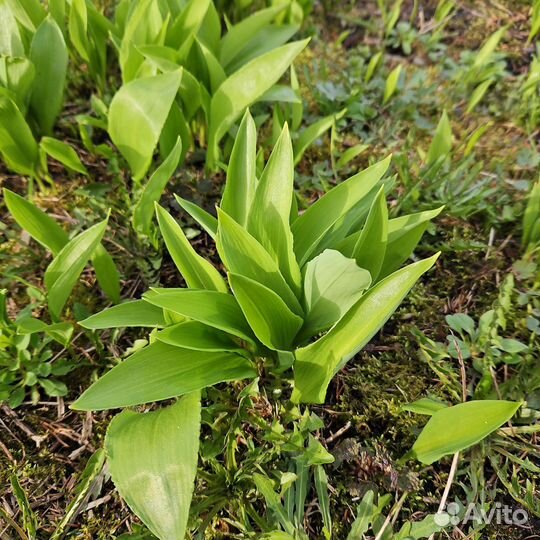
[[28, 364], [33, 68], [70, 255], [304, 290]]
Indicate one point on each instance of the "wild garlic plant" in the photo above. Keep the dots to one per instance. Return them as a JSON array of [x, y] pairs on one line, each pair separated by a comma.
[[303, 293]]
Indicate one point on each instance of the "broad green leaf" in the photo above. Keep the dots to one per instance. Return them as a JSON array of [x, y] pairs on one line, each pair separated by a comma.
[[144, 25], [36, 223], [271, 320], [271, 209], [309, 135], [49, 54], [214, 74], [234, 41], [106, 273], [187, 23], [202, 217], [269, 38], [241, 173], [424, 406], [332, 284], [404, 233], [457, 428], [392, 83], [10, 38], [176, 127], [17, 76], [64, 271], [78, 28], [442, 140], [64, 153], [318, 362], [198, 336], [210, 30], [29, 13], [134, 313], [161, 371], [142, 107], [215, 309], [310, 228], [242, 254], [144, 209], [197, 271], [243, 88], [17, 144], [370, 248], [50, 235], [152, 459]]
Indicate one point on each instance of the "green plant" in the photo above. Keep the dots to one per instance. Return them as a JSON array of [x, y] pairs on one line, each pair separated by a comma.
[[28, 362], [33, 67], [482, 69], [530, 238], [332, 270], [221, 75], [70, 255]]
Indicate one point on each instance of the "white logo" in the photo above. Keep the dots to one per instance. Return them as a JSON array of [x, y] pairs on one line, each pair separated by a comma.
[[498, 514]]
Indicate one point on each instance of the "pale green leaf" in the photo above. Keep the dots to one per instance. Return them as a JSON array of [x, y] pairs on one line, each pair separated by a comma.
[[310, 227], [142, 107], [392, 83], [271, 320], [332, 284], [424, 406], [48, 53], [318, 362], [215, 309], [36, 223], [309, 135], [64, 271], [243, 88], [107, 273], [235, 40], [197, 271], [134, 313], [144, 209], [457, 428], [404, 233], [202, 217], [64, 153], [152, 459], [198, 336], [241, 173], [18, 147], [11, 43], [442, 140], [242, 254], [187, 23], [161, 371], [370, 248], [271, 209]]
